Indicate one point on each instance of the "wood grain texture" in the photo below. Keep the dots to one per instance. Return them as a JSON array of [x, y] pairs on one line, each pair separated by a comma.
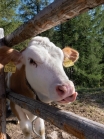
[[2, 97], [2, 105], [78, 126], [57, 12]]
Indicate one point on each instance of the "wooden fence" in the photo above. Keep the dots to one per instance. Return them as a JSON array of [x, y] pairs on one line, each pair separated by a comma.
[[46, 19], [78, 126], [2, 99]]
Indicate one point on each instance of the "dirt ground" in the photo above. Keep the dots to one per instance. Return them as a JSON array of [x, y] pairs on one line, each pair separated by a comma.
[[90, 105]]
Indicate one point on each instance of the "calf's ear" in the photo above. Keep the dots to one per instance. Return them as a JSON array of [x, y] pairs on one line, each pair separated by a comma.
[[8, 54], [70, 56]]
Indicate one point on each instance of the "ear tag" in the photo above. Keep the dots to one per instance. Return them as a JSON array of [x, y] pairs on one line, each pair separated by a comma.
[[68, 63], [10, 67]]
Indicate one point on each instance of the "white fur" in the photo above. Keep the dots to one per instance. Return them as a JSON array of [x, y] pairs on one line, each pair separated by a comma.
[[25, 123], [26, 119], [49, 59], [40, 127], [8, 79]]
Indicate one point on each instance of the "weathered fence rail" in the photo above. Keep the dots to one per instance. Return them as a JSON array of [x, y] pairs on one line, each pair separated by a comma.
[[2, 105], [2, 99], [54, 14], [78, 126]]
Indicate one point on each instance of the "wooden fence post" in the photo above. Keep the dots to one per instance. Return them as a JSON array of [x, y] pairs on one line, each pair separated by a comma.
[[2, 98]]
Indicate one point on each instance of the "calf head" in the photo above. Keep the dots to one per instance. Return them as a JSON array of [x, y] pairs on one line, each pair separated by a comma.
[[44, 70]]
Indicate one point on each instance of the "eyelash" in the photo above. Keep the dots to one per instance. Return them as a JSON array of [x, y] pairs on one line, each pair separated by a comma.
[[31, 61]]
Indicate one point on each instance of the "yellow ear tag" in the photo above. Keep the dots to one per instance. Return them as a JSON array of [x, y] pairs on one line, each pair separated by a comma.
[[10, 67], [68, 63]]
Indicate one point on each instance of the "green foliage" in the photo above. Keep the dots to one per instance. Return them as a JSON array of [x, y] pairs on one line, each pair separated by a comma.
[[84, 33], [27, 10], [30, 8], [8, 16]]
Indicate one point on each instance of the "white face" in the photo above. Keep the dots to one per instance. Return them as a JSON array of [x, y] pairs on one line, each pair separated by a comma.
[[44, 71]]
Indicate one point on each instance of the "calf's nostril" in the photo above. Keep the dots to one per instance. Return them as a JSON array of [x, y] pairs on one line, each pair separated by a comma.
[[61, 89]]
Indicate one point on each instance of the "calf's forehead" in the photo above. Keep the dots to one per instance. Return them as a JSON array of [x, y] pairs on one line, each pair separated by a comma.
[[43, 49]]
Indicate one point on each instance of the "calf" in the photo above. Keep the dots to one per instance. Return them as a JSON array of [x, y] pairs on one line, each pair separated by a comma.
[[40, 73]]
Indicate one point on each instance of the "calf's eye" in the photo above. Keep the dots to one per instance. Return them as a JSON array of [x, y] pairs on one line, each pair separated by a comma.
[[32, 62]]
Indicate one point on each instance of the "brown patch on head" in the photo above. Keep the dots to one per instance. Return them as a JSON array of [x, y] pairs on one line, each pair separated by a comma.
[[8, 54]]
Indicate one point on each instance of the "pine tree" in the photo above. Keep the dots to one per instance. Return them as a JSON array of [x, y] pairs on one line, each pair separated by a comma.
[[8, 16], [82, 34], [28, 9], [98, 15]]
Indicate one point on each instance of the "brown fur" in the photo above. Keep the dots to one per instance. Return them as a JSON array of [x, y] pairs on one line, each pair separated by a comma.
[[7, 54], [18, 83], [19, 86]]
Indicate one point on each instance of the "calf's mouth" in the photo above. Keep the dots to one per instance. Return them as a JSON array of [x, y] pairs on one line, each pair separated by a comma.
[[69, 99]]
